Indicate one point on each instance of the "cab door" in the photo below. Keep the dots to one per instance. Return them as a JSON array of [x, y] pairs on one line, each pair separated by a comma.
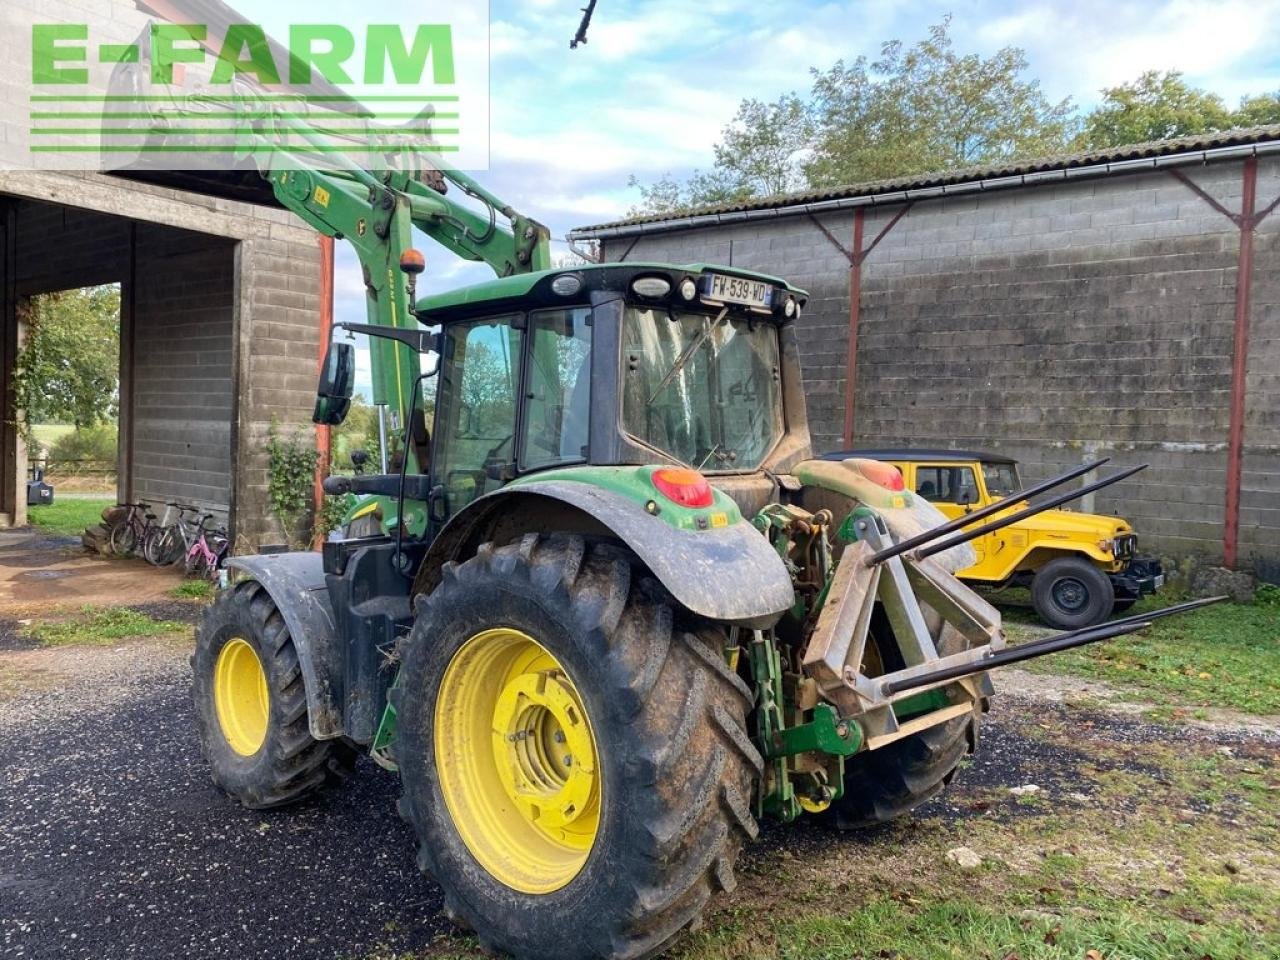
[[953, 489]]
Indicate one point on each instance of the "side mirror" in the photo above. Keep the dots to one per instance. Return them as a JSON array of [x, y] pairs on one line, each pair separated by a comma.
[[337, 384], [967, 497]]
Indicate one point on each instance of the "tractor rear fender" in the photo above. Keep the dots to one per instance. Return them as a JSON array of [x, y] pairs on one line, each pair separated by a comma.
[[295, 582], [729, 574]]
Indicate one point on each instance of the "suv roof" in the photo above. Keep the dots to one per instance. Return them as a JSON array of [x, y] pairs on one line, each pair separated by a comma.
[[917, 453]]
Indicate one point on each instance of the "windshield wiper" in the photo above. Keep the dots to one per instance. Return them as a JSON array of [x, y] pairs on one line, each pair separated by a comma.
[[686, 354]]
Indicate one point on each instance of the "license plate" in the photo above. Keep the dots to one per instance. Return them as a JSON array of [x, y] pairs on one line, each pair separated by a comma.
[[726, 289]]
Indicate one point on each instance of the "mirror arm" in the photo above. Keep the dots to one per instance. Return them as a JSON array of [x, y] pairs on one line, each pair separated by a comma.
[[421, 341]]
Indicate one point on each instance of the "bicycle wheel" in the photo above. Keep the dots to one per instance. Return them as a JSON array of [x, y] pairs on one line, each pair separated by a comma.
[[124, 537], [167, 546], [150, 545]]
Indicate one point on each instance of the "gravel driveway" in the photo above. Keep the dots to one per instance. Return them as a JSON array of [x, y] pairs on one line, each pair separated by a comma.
[[114, 844]]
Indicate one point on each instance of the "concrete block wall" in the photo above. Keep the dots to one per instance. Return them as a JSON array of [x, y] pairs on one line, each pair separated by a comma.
[[182, 400], [1052, 323], [278, 348]]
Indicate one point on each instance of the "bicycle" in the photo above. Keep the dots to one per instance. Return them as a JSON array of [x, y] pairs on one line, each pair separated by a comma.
[[205, 554], [165, 545], [131, 528]]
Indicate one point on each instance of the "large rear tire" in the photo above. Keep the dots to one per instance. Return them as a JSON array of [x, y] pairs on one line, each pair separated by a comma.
[[251, 705], [613, 847]]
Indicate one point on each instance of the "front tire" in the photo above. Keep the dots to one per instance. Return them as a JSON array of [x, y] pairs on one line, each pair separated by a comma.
[[622, 864], [251, 705], [1070, 592]]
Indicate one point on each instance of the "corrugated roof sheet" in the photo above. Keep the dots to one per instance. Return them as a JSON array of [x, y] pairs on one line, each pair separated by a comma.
[[1012, 168]]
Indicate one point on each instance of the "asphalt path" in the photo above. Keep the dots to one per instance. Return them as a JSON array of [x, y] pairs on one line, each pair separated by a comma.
[[115, 844]]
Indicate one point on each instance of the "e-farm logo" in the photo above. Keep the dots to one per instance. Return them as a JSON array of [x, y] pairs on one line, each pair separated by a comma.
[[325, 48], [191, 95]]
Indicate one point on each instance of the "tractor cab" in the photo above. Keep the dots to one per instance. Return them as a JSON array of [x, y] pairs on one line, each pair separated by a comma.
[[605, 365]]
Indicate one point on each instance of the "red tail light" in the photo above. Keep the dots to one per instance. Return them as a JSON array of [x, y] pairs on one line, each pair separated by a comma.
[[882, 474], [686, 487]]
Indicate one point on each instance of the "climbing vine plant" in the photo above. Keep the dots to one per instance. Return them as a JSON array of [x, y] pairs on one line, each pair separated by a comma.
[[291, 468]]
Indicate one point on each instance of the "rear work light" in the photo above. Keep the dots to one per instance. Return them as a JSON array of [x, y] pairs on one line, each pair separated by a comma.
[[686, 487]]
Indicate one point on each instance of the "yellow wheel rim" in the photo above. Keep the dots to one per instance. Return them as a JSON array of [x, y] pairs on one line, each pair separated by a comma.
[[240, 697], [516, 759]]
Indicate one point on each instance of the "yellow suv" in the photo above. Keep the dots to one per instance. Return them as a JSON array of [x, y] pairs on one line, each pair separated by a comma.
[[1079, 566]]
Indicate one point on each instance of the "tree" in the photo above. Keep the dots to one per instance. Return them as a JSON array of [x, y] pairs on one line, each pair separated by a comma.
[[926, 108], [1156, 106], [914, 109], [1258, 111], [69, 366], [761, 151]]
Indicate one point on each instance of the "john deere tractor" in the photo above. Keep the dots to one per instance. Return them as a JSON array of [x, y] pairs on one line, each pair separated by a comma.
[[601, 610]]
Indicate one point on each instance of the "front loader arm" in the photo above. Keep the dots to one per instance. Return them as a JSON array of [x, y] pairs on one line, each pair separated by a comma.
[[376, 213]]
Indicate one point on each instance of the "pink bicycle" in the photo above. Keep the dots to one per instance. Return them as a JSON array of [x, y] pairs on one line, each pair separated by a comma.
[[206, 549]]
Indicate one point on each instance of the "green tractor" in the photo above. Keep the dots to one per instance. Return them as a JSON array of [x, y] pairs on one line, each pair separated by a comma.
[[603, 611]]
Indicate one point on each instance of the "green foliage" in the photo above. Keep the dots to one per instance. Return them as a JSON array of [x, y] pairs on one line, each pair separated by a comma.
[[291, 469], [925, 108], [94, 442], [1156, 106], [100, 627], [1258, 111], [358, 432], [1267, 595], [68, 368], [67, 518]]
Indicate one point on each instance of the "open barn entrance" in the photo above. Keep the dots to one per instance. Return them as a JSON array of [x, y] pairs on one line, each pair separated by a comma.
[[167, 367]]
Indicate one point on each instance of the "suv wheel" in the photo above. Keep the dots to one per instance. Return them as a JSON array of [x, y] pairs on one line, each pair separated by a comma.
[[1071, 592]]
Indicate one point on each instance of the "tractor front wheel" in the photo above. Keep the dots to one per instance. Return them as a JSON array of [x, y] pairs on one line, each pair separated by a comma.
[[574, 757], [251, 706]]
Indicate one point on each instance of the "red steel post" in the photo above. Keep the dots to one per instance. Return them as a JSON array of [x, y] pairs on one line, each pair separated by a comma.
[[323, 432], [1239, 364]]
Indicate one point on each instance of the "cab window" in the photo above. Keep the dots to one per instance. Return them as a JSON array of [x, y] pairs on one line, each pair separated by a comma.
[[476, 419], [558, 398], [1001, 479], [956, 485]]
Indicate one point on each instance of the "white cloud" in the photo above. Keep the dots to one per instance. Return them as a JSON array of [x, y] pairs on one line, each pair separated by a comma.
[[1079, 48]]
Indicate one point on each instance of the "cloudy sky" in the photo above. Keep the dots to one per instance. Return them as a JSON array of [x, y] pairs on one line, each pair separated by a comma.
[[659, 79]]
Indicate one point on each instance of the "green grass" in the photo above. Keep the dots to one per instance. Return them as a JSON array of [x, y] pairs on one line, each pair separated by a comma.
[[193, 590], [1223, 656], [99, 627], [68, 518], [961, 927], [47, 434]]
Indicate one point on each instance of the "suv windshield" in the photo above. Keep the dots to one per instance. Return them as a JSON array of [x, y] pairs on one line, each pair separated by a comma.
[[703, 388], [1002, 479]]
